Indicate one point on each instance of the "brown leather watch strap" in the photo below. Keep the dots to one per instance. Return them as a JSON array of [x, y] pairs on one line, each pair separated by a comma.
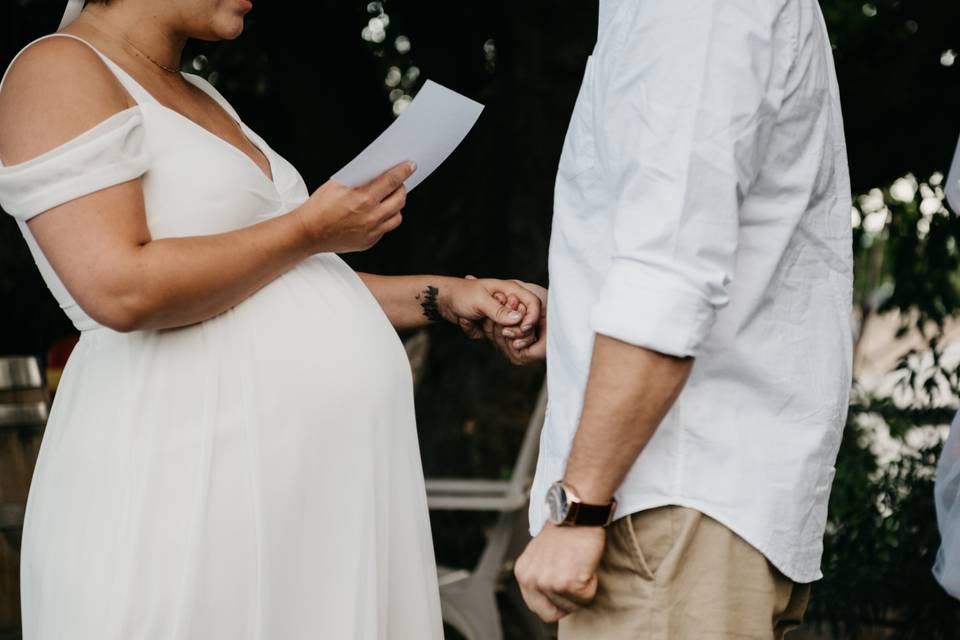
[[590, 515]]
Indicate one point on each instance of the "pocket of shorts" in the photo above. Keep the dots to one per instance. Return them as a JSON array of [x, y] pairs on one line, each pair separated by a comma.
[[652, 535]]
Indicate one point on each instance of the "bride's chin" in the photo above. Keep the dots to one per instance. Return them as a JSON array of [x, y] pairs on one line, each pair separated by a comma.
[[224, 31], [235, 33]]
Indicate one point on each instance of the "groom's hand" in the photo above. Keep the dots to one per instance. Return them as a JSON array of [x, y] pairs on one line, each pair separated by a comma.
[[519, 345], [557, 572]]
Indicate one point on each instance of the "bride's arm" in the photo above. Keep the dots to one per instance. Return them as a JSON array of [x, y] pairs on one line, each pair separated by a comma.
[[416, 301], [101, 249], [100, 245]]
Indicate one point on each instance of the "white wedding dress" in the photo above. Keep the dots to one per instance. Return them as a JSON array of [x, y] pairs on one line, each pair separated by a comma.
[[253, 476]]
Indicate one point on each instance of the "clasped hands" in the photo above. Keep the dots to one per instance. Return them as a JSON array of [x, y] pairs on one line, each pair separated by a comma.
[[520, 342]]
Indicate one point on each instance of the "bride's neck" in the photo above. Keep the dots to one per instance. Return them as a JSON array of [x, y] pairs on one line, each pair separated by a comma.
[[142, 25]]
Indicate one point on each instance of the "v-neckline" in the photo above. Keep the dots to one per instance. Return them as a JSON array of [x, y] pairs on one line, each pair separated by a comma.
[[270, 177]]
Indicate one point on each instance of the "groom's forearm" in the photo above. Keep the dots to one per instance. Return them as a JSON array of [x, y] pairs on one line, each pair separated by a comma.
[[410, 302], [630, 390]]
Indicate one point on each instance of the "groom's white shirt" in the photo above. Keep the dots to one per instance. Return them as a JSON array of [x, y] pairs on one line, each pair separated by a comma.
[[703, 208]]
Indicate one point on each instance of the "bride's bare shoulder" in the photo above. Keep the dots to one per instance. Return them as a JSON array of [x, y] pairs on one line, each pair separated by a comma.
[[55, 90]]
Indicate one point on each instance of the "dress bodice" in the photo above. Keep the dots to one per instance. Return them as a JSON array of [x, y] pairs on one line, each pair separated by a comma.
[[194, 182]]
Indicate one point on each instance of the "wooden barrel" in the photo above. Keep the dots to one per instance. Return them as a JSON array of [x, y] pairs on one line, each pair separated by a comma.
[[24, 406]]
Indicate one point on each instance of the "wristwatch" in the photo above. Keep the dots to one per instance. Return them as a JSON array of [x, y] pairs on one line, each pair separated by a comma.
[[565, 508]]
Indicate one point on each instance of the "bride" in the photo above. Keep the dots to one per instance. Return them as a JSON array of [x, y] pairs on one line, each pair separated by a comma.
[[232, 453]]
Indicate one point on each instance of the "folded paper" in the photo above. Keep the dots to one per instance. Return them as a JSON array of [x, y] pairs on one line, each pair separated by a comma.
[[427, 132]]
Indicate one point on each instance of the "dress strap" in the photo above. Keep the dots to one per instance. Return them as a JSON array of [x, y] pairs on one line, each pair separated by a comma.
[[205, 86], [71, 12], [134, 88]]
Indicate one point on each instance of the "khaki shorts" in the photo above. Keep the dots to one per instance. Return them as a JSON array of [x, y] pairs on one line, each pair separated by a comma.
[[672, 573]]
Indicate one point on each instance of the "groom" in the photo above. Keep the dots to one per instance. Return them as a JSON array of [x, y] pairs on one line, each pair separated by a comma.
[[699, 348]]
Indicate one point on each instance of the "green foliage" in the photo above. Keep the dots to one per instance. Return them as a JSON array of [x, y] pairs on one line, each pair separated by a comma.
[[906, 260], [880, 546], [882, 538], [921, 255]]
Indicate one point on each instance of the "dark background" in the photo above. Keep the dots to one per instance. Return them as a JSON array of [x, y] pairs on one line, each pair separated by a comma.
[[305, 79]]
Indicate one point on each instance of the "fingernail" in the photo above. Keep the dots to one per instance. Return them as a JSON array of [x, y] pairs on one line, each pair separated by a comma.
[[519, 344], [527, 327], [514, 315], [413, 166]]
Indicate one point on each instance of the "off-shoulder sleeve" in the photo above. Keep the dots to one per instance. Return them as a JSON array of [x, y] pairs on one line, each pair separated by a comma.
[[110, 153]]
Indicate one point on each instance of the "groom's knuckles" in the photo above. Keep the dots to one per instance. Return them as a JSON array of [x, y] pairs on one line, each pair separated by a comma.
[[559, 585], [582, 592], [534, 594], [488, 328], [534, 310], [541, 605], [520, 571], [551, 612], [527, 574]]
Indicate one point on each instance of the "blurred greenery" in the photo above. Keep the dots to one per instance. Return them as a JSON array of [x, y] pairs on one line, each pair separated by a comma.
[[881, 538], [319, 80]]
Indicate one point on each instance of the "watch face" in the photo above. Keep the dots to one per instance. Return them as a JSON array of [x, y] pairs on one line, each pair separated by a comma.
[[557, 503]]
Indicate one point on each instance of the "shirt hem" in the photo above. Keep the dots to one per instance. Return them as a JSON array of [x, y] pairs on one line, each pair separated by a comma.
[[791, 571]]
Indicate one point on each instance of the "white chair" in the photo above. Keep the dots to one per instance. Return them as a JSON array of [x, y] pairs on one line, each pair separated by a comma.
[[468, 597], [24, 406]]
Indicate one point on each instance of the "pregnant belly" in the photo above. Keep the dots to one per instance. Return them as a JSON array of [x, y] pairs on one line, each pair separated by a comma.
[[319, 333], [306, 371], [313, 346]]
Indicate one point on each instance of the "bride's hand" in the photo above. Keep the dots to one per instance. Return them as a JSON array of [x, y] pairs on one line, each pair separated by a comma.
[[519, 347], [504, 302], [519, 344], [339, 219]]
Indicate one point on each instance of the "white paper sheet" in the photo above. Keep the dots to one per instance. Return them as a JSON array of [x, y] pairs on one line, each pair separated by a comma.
[[427, 132], [952, 188]]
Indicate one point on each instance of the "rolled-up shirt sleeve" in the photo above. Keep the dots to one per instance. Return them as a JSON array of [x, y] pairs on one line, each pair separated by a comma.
[[683, 120]]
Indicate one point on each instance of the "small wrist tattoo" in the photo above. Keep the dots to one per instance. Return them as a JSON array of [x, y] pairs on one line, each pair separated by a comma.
[[428, 302]]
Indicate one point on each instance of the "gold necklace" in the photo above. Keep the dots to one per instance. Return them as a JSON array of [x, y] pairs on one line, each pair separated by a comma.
[[145, 55], [137, 49]]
